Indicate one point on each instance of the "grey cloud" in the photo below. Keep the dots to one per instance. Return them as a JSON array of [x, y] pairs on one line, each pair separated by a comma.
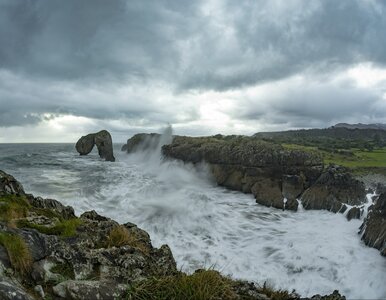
[[71, 57], [238, 43], [276, 39], [309, 104], [75, 40]]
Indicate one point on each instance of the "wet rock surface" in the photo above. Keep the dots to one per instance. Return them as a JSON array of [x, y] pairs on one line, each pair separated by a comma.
[[103, 142], [373, 229], [335, 187]]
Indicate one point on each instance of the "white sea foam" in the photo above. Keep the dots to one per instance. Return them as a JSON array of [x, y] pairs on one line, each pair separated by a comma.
[[209, 226]]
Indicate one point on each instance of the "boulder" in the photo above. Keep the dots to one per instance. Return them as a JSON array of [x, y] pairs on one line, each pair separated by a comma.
[[9, 290], [9, 185], [333, 188], [101, 139], [373, 229]]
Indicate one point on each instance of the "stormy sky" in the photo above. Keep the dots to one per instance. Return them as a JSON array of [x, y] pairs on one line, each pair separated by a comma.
[[72, 67]]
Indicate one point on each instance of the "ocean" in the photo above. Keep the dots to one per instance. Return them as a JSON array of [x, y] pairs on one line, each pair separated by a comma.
[[206, 226]]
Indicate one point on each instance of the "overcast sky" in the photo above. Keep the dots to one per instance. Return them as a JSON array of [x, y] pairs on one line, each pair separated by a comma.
[[72, 67]]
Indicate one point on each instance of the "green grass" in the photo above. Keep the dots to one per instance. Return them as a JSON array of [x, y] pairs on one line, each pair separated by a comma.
[[65, 228], [13, 207], [18, 252], [120, 236], [202, 285], [353, 158]]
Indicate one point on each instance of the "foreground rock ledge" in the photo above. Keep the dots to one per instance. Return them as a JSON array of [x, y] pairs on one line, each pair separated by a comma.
[[56, 255], [101, 139]]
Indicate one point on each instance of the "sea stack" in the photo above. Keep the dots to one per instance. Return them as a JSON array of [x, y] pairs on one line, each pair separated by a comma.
[[101, 139]]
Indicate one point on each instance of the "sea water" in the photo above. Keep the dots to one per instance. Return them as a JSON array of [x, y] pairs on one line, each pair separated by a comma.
[[206, 226]]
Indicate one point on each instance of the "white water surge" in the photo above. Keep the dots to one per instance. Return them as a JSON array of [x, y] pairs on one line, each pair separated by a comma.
[[209, 226]]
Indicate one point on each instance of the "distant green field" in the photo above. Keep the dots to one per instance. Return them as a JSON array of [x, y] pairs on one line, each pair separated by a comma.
[[360, 160]]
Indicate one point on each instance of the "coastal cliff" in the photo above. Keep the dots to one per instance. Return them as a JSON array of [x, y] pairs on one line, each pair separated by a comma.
[[277, 177]]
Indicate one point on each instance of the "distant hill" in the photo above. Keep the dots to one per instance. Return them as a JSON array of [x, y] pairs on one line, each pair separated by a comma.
[[360, 126], [339, 136]]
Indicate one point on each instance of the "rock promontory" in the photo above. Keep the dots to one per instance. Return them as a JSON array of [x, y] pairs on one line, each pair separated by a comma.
[[274, 175], [101, 139]]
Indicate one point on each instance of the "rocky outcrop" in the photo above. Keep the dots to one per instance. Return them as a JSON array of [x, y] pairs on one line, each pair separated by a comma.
[[142, 141], [332, 189], [373, 229], [9, 185], [47, 252], [276, 176], [90, 257], [101, 139]]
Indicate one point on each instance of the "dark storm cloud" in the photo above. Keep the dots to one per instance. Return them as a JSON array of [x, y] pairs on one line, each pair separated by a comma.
[[71, 57], [236, 43], [75, 39]]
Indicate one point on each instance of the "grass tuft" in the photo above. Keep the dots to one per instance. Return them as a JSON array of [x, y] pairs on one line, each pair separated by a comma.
[[202, 285], [273, 294], [65, 228], [18, 252], [13, 207], [120, 236]]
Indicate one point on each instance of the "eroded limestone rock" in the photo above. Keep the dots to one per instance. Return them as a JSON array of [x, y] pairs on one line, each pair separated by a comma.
[[101, 139]]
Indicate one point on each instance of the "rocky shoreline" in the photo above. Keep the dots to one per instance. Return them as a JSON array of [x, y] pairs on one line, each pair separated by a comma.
[[277, 177], [46, 252]]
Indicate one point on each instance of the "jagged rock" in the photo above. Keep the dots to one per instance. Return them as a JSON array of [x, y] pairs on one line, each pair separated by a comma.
[[353, 213], [9, 185], [373, 229], [334, 296], [12, 291], [90, 290], [101, 139], [143, 141], [267, 170], [333, 188], [66, 212], [343, 209]]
